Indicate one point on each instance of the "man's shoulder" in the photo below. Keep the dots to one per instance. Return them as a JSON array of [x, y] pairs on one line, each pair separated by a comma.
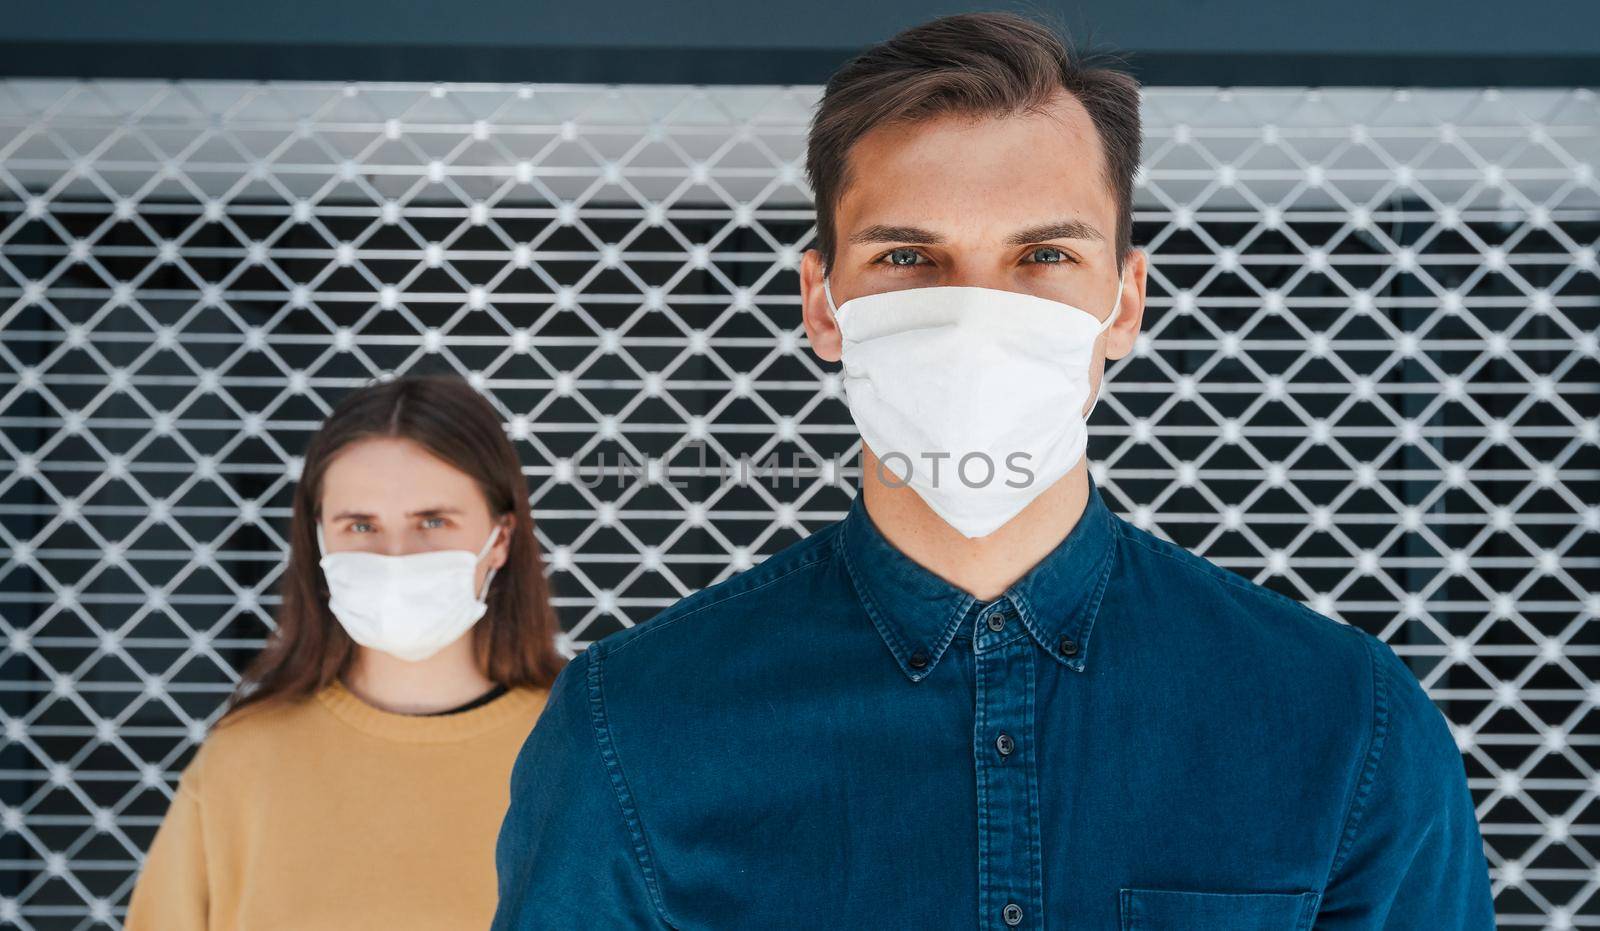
[[1224, 603], [1258, 647], [778, 585], [1335, 678], [1310, 659]]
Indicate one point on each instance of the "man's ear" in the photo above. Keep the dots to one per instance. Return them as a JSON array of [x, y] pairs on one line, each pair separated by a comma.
[[822, 331], [1124, 331]]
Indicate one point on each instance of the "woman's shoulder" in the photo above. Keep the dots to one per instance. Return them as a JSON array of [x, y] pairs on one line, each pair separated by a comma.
[[253, 734], [523, 704], [537, 695]]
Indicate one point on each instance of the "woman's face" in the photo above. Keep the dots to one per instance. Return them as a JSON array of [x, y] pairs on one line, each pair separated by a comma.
[[391, 496]]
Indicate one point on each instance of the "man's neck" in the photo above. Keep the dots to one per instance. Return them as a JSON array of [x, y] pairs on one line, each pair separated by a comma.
[[986, 566]]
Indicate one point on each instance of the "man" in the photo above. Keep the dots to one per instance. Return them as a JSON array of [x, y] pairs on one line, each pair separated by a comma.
[[982, 699]]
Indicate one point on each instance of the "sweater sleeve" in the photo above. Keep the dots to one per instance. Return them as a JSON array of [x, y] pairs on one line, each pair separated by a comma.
[[566, 856], [1412, 854], [172, 892]]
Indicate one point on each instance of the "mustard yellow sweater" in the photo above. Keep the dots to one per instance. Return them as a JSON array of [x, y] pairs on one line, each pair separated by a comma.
[[329, 813]]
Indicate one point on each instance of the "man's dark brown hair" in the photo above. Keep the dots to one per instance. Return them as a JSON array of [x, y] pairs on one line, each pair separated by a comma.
[[978, 64]]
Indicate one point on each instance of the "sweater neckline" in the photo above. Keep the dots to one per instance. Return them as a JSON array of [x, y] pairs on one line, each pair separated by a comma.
[[515, 705], [493, 692]]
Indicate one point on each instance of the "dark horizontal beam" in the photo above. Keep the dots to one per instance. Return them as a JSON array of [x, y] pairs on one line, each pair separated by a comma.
[[513, 64]]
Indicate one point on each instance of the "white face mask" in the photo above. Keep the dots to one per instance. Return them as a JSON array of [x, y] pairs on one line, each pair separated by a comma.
[[972, 396], [408, 606]]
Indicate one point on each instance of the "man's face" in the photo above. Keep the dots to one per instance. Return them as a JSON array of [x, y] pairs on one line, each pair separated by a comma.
[[1016, 203]]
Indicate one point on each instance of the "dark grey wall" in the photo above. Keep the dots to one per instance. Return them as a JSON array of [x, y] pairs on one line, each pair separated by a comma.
[[1377, 42]]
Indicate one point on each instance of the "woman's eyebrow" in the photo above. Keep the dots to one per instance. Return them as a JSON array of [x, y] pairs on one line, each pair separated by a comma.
[[426, 512], [1063, 229]]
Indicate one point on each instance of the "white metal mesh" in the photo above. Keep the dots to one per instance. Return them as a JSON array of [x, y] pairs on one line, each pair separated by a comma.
[[1368, 378]]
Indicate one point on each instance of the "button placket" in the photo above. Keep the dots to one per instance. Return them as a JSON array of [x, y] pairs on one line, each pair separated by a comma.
[[1010, 874]]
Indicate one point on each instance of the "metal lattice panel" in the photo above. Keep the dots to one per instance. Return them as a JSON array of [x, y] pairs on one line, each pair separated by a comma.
[[1368, 378]]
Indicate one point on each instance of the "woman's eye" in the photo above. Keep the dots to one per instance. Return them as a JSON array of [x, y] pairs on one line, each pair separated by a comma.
[[432, 522], [904, 257], [358, 525], [1048, 255]]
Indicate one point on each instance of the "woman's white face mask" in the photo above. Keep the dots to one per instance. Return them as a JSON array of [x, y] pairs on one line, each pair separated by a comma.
[[972, 396], [409, 606]]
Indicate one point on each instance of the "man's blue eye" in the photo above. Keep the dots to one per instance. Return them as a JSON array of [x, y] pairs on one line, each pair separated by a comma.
[[904, 257], [1046, 255]]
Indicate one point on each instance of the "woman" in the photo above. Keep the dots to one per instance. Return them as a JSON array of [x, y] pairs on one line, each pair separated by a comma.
[[360, 774]]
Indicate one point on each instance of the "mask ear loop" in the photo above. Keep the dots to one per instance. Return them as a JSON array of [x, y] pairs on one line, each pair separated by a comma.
[[1116, 308], [484, 552], [827, 290]]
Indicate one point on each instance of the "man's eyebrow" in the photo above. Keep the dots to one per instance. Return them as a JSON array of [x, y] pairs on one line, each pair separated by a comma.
[[1064, 229], [910, 234]]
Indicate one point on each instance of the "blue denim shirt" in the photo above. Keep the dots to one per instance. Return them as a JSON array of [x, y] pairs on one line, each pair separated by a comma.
[[1131, 738]]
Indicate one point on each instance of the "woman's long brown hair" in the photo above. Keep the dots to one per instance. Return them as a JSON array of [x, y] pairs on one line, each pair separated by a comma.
[[514, 642]]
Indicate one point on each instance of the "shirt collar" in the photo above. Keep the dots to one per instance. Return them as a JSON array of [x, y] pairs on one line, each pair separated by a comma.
[[918, 613]]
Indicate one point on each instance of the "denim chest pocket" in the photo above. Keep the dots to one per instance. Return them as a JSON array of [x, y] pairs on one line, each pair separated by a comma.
[[1171, 910]]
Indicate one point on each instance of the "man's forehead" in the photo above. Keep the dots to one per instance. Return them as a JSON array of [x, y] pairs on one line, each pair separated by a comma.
[[1041, 162]]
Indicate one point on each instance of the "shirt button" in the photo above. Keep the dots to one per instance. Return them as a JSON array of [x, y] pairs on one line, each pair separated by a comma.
[[997, 621], [1005, 744], [919, 659], [1069, 646], [1012, 914]]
